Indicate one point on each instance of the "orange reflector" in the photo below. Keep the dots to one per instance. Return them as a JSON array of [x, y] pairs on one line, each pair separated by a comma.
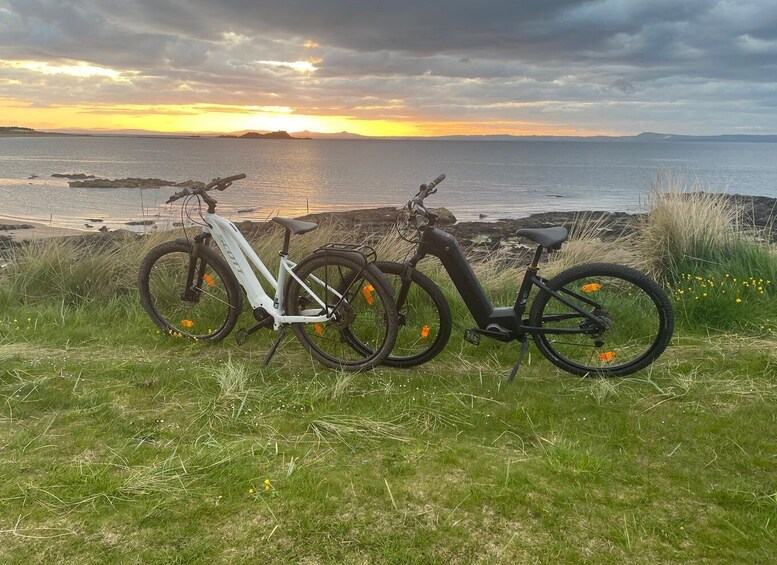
[[425, 332], [367, 292], [209, 279], [187, 323], [606, 356], [593, 287], [319, 329]]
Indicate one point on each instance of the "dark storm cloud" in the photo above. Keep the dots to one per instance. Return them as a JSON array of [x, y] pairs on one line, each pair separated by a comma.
[[607, 64]]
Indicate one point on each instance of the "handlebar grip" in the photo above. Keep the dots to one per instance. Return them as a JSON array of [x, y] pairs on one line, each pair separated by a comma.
[[436, 181], [234, 178]]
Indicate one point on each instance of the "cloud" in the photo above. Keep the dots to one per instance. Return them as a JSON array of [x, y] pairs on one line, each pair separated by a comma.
[[622, 85], [712, 62]]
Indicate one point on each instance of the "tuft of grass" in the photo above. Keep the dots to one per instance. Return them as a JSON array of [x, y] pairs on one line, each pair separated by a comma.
[[686, 224], [232, 377]]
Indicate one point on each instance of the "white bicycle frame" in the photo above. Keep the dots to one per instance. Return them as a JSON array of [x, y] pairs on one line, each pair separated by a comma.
[[238, 253]]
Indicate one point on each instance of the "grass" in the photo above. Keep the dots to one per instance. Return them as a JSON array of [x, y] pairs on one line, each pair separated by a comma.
[[117, 441], [720, 274]]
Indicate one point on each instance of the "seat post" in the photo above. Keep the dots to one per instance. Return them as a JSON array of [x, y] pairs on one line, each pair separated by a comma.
[[286, 241], [536, 261]]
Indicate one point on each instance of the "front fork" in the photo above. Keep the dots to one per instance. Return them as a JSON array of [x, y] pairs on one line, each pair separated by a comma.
[[404, 288], [196, 273]]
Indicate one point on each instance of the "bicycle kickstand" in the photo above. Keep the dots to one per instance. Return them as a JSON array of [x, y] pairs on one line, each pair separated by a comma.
[[524, 348], [274, 347]]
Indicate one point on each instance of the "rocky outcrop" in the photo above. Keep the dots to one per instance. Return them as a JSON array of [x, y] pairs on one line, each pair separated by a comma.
[[14, 227], [72, 176], [122, 183], [131, 182]]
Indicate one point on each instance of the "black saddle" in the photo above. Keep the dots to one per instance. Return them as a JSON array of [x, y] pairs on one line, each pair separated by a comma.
[[295, 226], [550, 238]]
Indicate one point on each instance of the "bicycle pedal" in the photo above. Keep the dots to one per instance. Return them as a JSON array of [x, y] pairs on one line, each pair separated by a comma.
[[472, 337], [241, 336]]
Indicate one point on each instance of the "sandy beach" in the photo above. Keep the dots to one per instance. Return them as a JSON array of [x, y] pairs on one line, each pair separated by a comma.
[[36, 230]]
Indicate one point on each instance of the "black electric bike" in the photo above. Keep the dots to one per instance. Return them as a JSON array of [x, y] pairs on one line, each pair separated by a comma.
[[595, 319]]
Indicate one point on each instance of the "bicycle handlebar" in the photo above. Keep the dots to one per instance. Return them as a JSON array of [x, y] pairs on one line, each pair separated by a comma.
[[217, 183], [225, 181], [417, 202]]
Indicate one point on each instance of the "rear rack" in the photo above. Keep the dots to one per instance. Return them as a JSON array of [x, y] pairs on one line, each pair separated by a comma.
[[366, 252], [369, 254]]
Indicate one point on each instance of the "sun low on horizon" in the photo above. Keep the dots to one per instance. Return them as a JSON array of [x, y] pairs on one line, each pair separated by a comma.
[[215, 118], [222, 66], [169, 116]]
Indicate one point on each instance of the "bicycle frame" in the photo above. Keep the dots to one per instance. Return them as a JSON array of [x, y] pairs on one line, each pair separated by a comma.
[[508, 320], [238, 253]]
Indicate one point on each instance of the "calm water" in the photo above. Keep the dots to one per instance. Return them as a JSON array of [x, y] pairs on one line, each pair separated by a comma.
[[500, 179]]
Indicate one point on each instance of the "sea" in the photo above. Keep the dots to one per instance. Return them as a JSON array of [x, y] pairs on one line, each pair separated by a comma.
[[486, 180]]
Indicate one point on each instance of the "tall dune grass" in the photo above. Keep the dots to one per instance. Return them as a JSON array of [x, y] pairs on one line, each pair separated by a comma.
[[719, 273], [73, 270], [686, 224]]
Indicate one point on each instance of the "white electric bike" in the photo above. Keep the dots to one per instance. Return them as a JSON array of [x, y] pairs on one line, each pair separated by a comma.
[[332, 299]]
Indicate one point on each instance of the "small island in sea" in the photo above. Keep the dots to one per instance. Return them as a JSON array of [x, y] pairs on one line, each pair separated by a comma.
[[256, 135]]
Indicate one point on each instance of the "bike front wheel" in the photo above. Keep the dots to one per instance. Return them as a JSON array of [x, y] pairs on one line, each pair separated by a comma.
[[610, 320], [189, 295], [424, 317], [358, 300]]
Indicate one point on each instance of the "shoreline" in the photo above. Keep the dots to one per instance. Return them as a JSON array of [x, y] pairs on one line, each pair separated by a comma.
[[758, 212], [31, 230]]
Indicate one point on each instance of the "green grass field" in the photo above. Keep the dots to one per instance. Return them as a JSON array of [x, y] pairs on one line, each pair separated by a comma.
[[123, 445]]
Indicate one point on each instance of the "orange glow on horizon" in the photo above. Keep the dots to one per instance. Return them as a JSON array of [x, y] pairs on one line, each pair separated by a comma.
[[216, 119]]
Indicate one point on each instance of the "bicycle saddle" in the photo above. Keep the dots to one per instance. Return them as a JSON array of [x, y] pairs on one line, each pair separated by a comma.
[[551, 238], [295, 226]]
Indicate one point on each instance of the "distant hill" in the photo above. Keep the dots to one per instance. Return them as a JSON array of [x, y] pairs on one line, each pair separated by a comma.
[[642, 137], [649, 136], [341, 135], [270, 135], [19, 131], [15, 129]]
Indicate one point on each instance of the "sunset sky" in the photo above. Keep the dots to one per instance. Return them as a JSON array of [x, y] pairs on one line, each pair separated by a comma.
[[391, 68]]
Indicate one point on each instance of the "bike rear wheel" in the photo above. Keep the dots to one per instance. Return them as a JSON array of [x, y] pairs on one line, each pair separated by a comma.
[[189, 296], [633, 321], [366, 314]]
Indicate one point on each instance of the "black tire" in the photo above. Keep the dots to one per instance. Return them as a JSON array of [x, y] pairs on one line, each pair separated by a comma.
[[638, 320], [424, 318], [210, 312], [367, 316]]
